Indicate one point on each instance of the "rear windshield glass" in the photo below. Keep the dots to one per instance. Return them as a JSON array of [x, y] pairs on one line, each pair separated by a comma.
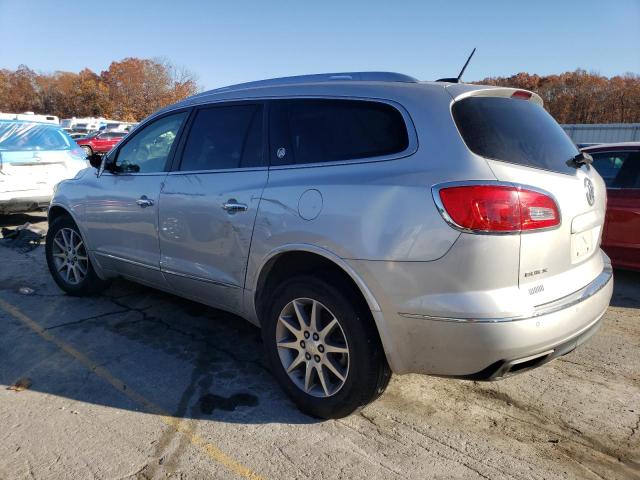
[[17, 136], [515, 131]]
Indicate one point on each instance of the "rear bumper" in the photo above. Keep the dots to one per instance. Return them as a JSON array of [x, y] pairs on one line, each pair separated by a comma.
[[25, 201], [486, 349]]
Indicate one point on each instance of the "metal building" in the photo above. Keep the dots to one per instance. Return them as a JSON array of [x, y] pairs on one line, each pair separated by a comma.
[[603, 132]]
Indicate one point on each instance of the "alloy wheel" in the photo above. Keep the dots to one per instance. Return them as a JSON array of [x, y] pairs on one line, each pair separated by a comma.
[[70, 256], [312, 347]]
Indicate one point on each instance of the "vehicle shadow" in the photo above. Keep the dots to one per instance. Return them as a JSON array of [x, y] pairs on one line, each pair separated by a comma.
[[626, 288], [190, 360]]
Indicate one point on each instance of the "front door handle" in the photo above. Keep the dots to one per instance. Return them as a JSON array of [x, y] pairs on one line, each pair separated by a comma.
[[233, 206], [144, 202]]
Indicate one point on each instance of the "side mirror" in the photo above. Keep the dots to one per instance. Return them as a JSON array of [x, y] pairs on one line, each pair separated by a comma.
[[95, 160]]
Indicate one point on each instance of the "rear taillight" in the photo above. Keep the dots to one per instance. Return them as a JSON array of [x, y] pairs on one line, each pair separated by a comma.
[[496, 208]]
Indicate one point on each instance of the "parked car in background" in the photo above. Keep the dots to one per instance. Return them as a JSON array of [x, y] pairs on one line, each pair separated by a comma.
[[368, 222], [33, 158], [619, 166], [77, 135], [100, 142]]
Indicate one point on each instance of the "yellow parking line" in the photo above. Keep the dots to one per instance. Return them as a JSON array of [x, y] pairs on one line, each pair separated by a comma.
[[177, 424]]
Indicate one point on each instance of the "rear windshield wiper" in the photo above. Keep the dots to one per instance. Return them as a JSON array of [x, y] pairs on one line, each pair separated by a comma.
[[582, 158]]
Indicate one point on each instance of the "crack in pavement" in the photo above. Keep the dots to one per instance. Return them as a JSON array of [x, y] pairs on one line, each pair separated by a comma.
[[82, 320]]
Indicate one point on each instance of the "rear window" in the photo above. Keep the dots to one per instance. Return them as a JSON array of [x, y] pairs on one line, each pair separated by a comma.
[[313, 131], [515, 131], [17, 137]]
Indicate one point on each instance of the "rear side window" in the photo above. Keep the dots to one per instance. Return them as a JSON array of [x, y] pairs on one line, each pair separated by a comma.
[[515, 131], [618, 169], [313, 131], [224, 137]]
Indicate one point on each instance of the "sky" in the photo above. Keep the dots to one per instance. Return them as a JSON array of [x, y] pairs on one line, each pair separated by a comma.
[[224, 43]]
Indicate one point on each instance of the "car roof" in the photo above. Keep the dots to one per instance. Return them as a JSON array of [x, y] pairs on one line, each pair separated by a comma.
[[27, 122]]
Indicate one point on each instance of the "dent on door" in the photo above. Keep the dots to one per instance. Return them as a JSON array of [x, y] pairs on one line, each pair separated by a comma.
[[206, 225]]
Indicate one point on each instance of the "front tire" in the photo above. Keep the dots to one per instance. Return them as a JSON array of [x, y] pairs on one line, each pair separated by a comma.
[[68, 259], [323, 347]]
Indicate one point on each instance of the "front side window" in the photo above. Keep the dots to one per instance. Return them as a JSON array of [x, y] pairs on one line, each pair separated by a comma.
[[149, 150], [618, 169], [224, 137], [318, 130]]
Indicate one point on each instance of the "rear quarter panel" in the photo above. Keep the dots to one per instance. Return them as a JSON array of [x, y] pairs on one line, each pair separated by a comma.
[[371, 210]]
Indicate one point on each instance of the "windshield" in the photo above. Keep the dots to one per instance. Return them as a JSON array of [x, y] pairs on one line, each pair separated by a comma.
[[22, 136], [515, 131]]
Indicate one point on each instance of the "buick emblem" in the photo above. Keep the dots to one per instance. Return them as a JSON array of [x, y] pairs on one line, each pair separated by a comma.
[[588, 190], [281, 152]]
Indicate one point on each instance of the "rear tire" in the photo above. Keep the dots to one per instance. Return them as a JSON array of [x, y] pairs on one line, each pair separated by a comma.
[[68, 259], [87, 149], [342, 350]]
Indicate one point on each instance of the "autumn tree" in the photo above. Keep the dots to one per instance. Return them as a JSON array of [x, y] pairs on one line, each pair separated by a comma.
[[139, 87], [581, 97], [128, 90]]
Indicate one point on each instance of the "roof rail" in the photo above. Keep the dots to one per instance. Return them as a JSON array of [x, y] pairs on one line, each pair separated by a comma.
[[319, 78]]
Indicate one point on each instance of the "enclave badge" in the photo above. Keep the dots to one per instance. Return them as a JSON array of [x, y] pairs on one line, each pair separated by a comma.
[[589, 192]]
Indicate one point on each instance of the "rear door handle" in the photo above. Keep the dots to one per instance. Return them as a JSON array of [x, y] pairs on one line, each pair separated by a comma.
[[144, 202], [233, 206]]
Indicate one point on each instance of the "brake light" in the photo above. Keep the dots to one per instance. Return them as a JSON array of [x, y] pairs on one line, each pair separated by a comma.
[[524, 95], [497, 208]]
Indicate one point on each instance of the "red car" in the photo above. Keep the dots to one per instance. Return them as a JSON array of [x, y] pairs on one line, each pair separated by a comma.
[[100, 143], [619, 166]]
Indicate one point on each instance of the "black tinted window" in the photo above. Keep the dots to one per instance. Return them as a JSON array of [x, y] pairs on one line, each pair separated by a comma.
[[224, 137], [618, 169], [310, 131], [514, 130]]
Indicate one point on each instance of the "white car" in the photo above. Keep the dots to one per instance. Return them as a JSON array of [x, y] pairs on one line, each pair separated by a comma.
[[34, 157]]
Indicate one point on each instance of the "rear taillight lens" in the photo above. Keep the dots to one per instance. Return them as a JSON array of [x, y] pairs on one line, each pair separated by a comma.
[[497, 208]]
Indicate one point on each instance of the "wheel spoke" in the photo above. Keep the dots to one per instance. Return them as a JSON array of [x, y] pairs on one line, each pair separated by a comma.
[[293, 345], [328, 348], [62, 265], [323, 380], [60, 246], [81, 257], [330, 326], [296, 363], [313, 322], [64, 238], [300, 313], [82, 269], [60, 255], [68, 271], [75, 274], [296, 332], [307, 377], [333, 369]]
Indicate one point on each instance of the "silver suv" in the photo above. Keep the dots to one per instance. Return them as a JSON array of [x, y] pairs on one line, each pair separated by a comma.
[[368, 222]]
